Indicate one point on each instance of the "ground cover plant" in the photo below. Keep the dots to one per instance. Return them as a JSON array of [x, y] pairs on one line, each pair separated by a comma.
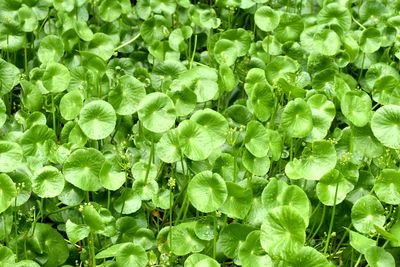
[[199, 133]]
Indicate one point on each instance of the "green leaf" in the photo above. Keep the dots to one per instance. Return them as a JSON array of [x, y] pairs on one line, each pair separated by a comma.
[[131, 255], [76, 232], [379, 257], [308, 257], [198, 260], [317, 159], [101, 45], [251, 254], [283, 231], [195, 141], [168, 148], [110, 10], [256, 139], [56, 78], [28, 19], [277, 193], [384, 125], [296, 119], [82, 169], [335, 14], [111, 177], [51, 49], [395, 231], [266, 18], [92, 218], [9, 77], [214, 124], [262, 101], [360, 242], [97, 119], [8, 192], [231, 237], [129, 202], [184, 239], [333, 188], [386, 90], [51, 244], [48, 182], [367, 212], [370, 40], [387, 186], [71, 104], [256, 165], [157, 112], [10, 156], [327, 42], [237, 204], [356, 107], [207, 191], [225, 52], [125, 97], [323, 112]]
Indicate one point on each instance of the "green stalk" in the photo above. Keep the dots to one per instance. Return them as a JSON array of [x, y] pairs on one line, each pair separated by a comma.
[[108, 199], [127, 42], [92, 251], [54, 115], [332, 220], [16, 228], [26, 59], [149, 162], [320, 223], [215, 238], [194, 51]]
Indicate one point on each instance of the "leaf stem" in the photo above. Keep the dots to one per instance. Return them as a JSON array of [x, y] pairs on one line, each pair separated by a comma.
[[331, 222], [320, 223], [215, 237], [194, 51], [54, 115], [127, 42]]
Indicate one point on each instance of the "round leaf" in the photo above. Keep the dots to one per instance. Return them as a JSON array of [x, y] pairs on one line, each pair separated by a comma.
[[125, 97], [367, 212], [194, 140], [157, 112], [48, 182], [56, 77], [207, 191], [51, 49], [387, 186], [10, 156], [378, 257], [283, 231], [97, 119], [200, 260], [110, 10], [323, 112], [331, 185], [71, 104], [251, 254], [370, 40], [266, 18], [356, 107], [82, 169], [385, 125], [256, 139], [296, 119], [131, 255], [8, 192], [214, 124]]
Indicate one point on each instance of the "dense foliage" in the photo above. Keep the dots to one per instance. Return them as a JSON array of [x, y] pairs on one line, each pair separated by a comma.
[[213, 133]]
